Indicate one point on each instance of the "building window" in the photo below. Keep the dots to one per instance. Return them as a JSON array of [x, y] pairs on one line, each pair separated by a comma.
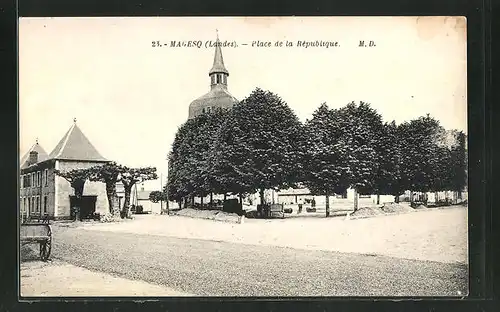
[[203, 110], [213, 79], [38, 204], [218, 78], [46, 177], [39, 178], [32, 204], [45, 204], [209, 109], [21, 181]]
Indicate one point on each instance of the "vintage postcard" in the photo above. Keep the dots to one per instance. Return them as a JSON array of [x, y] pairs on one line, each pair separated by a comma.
[[243, 156]]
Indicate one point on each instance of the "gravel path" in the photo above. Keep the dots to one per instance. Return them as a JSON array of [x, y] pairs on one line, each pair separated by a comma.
[[429, 234], [55, 278], [210, 268]]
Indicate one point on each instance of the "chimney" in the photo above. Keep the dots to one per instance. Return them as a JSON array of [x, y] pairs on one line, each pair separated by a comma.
[[33, 159]]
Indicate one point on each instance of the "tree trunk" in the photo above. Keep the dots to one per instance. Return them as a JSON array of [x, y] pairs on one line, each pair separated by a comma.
[[241, 199], [411, 197], [201, 200], [225, 196], [355, 200], [78, 201], [168, 206], [327, 198], [78, 188], [261, 194], [396, 199], [185, 202], [192, 201], [111, 194], [378, 199], [436, 197], [126, 202], [211, 200]]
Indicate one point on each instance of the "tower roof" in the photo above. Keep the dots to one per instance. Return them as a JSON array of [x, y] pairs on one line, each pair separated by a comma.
[[218, 66], [42, 155], [74, 145], [218, 97]]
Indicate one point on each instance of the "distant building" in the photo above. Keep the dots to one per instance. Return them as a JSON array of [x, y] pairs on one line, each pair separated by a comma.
[[219, 96], [42, 193], [142, 199], [294, 196]]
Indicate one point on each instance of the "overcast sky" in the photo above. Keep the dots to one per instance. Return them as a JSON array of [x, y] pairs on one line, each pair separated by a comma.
[[129, 98]]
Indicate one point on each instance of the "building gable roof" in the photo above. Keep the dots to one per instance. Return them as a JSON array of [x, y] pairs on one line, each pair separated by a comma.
[[42, 155], [74, 145]]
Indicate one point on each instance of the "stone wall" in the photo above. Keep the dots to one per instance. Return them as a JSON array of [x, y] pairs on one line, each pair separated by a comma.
[[64, 189]]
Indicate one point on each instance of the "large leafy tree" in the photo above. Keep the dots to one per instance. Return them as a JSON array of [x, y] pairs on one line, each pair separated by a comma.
[[458, 163], [131, 176], [387, 179], [424, 157], [180, 184], [259, 146], [325, 161], [361, 127], [205, 131], [77, 179], [441, 160], [109, 174]]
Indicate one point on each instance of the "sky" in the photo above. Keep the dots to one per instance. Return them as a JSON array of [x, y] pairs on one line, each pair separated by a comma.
[[129, 98]]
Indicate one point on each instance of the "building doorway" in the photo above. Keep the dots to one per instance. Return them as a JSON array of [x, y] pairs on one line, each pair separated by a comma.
[[87, 208]]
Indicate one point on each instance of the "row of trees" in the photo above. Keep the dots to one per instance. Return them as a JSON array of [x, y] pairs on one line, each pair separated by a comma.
[[110, 174], [260, 144]]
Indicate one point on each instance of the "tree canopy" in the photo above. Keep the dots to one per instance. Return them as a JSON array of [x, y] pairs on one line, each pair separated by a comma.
[[260, 144]]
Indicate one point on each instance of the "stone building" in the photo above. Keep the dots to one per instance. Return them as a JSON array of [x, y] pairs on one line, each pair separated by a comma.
[[42, 193], [219, 96]]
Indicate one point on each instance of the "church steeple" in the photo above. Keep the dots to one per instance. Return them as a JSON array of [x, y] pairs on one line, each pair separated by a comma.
[[218, 74]]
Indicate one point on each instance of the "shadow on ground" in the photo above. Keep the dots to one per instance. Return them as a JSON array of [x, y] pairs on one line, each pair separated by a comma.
[[29, 253], [318, 214]]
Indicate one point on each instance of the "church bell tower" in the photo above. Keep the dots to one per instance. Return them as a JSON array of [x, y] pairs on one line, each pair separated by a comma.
[[218, 74]]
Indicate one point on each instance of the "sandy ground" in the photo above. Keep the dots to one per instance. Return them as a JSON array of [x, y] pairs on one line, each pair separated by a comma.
[[430, 234], [62, 279]]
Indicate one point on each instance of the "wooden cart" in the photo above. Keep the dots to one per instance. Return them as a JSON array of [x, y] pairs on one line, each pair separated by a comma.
[[37, 233]]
